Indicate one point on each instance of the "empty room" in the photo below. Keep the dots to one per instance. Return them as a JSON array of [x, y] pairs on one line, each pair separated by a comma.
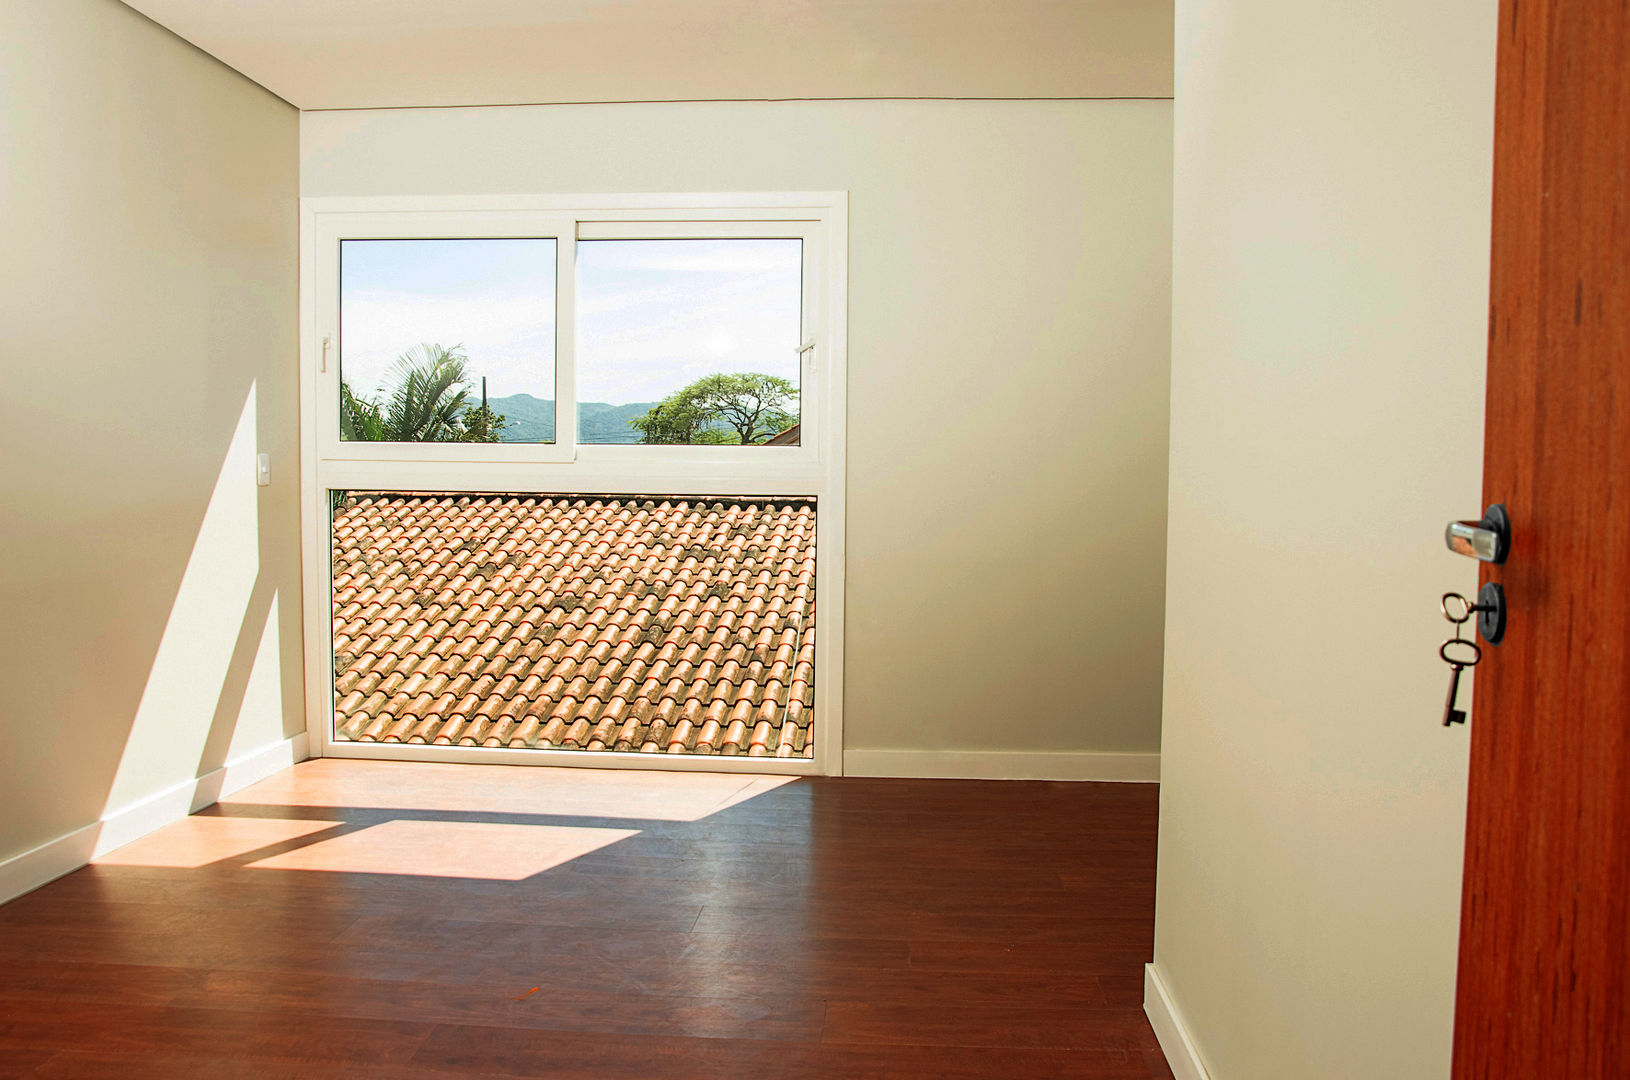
[[760, 538]]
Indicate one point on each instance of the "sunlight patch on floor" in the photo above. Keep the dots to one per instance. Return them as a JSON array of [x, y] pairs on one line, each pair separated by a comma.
[[459, 849], [198, 841], [507, 789]]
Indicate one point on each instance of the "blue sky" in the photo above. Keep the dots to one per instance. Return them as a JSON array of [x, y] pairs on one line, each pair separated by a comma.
[[653, 315]]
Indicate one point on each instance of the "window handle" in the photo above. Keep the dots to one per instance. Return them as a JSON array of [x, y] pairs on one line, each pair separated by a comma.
[[806, 348], [322, 365]]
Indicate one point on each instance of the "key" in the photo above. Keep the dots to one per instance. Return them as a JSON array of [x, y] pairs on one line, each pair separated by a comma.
[[1452, 715], [1459, 655]]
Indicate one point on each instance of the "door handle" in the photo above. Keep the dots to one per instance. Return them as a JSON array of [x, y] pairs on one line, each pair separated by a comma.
[[1488, 539]]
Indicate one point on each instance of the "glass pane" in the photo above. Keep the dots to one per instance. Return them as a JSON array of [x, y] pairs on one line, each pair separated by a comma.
[[689, 341], [447, 341], [530, 621]]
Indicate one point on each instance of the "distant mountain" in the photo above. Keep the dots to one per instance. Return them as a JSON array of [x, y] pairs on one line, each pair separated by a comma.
[[530, 419], [598, 422], [533, 419]]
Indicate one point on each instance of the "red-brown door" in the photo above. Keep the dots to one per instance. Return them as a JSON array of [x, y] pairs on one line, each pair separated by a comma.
[[1543, 946]]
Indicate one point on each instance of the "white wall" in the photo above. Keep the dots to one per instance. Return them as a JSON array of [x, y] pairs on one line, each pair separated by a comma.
[[1009, 326], [148, 219], [1330, 282]]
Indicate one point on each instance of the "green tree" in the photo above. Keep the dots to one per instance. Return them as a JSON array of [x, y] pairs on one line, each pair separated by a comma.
[[360, 420], [425, 398], [480, 424], [677, 418], [735, 407]]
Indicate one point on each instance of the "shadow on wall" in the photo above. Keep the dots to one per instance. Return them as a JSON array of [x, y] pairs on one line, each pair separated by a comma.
[[215, 689], [222, 674], [148, 335]]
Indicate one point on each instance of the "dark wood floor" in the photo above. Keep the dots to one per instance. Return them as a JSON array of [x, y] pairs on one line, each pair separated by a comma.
[[372, 920]]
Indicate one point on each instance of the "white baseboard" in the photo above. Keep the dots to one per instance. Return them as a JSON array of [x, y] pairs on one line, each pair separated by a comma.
[[28, 871], [1003, 765], [1170, 1029]]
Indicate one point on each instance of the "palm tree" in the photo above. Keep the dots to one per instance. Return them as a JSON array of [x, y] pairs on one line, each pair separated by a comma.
[[359, 417], [425, 402]]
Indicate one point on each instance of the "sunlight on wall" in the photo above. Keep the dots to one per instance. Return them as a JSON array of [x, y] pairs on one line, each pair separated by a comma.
[[260, 718], [184, 687]]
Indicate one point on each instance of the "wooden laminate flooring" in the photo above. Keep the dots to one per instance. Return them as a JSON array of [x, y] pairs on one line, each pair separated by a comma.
[[394, 920]]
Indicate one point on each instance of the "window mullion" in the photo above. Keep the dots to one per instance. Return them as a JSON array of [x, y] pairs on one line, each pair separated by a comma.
[[566, 342]]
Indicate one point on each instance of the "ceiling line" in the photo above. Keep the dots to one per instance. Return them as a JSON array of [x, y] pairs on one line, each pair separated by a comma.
[[740, 100]]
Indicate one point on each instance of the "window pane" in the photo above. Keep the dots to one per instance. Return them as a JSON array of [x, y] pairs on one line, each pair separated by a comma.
[[641, 624], [430, 328], [689, 341]]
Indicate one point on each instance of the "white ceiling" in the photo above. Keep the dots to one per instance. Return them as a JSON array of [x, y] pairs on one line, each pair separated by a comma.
[[331, 54]]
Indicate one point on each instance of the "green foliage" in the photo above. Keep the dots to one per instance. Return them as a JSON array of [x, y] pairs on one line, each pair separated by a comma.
[[726, 408], [677, 418], [360, 420], [480, 424], [425, 399]]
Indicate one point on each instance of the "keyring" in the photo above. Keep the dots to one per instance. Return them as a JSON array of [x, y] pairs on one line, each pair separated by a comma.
[[1477, 651], [1466, 607]]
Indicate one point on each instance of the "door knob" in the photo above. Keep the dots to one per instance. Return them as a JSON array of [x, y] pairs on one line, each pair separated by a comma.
[[1488, 539]]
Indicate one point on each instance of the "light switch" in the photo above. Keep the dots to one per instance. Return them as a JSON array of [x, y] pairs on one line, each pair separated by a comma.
[[263, 469]]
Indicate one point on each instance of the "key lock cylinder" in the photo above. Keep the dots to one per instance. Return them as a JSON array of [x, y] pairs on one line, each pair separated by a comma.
[[1488, 540]]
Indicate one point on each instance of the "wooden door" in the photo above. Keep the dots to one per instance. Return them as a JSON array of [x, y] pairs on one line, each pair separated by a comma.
[[1543, 947]]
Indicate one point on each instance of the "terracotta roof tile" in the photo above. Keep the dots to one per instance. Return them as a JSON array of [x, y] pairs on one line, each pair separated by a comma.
[[605, 625]]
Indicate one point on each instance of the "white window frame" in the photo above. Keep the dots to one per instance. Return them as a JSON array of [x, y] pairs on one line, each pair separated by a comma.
[[814, 468], [336, 226]]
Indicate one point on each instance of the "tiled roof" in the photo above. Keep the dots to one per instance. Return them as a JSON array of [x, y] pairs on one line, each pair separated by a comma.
[[632, 624]]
